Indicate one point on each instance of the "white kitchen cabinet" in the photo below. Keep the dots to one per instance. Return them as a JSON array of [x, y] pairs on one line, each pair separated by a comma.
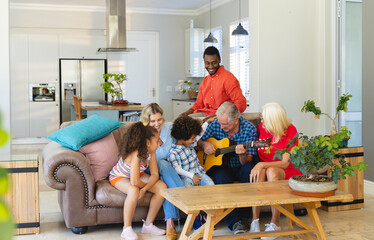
[[44, 118], [43, 58], [194, 49], [34, 59], [180, 106], [81, 46], [19, 87]]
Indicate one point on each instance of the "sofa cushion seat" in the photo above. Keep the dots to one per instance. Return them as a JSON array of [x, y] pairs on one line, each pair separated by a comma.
[[109, 196]]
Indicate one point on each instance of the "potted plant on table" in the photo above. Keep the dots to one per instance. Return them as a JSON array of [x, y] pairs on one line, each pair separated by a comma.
[[317, 155], [190, 87], [112, 86]]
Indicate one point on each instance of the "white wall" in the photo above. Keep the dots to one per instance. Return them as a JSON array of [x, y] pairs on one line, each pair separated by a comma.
[[290, 45], [368, 85], [4, 73]]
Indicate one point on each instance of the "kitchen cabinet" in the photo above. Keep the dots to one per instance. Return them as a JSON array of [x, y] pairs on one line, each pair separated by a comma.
[[194, 49], [43, 56], [81, 46], [19, 87], [34, 60], [181, 105]]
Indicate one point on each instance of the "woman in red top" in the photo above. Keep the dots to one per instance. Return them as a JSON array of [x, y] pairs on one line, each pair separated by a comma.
[[275, 125]]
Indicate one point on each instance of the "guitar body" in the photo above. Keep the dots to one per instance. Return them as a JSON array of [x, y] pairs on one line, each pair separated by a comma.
[[208, 161], [224, 148]]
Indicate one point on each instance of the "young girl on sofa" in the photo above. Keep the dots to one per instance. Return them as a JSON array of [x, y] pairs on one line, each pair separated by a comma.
[[137, 152]]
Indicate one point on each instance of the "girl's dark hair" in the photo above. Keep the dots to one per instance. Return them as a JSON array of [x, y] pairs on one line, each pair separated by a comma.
[[135, 139], [184, 127]]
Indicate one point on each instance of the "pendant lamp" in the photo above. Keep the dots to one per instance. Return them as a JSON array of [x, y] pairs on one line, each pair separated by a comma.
[[210, 38], [239, 30]]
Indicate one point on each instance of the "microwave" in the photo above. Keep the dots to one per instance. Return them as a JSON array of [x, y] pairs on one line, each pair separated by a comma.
[[42, 92]]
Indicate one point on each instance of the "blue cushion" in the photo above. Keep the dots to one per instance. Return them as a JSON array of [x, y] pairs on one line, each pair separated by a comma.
[[85, 131]]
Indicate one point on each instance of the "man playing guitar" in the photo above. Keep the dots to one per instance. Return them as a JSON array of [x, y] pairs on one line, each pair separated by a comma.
[[230, 124]]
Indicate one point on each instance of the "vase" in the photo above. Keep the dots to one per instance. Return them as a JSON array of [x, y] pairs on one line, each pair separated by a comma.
[[117, 97], [312, 189], [192, 94]]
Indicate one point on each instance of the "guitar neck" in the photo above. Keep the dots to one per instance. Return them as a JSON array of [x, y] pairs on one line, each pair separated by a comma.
[[225, 150], [230, 149]]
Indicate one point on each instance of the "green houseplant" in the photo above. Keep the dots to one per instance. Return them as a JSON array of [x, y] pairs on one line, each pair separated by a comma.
[[312, 154], [112, 85], [188, 86], [310, 106]]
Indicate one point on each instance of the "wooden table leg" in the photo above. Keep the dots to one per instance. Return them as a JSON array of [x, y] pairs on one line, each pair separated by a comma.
[[188, 225], [314, 218], [213, 217], [210, 222], [290, 223]]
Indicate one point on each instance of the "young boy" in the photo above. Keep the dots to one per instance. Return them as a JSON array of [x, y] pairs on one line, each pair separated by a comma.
[[183, 156]]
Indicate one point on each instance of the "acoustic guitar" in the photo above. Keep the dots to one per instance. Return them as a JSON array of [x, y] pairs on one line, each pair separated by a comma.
[[223, 147]]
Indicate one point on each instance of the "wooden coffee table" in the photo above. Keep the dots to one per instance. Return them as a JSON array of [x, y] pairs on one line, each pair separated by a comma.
[[219, 200]]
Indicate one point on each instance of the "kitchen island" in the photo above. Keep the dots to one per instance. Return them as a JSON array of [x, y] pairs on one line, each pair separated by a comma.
[[108, 111]]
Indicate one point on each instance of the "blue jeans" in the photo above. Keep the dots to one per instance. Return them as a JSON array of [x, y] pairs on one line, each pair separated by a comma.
[[227, 175], [205, 180], [169, 176]]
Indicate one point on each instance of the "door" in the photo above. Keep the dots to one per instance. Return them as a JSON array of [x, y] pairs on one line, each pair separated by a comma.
[[141, 67]]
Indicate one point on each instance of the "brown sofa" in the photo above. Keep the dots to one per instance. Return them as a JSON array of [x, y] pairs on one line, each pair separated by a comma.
[[83, 202]]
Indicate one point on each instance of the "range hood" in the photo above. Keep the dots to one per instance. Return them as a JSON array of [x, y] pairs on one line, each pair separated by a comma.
[[116, 27]]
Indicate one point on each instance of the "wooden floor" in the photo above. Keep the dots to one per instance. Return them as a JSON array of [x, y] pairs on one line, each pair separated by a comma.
[[344, 225]]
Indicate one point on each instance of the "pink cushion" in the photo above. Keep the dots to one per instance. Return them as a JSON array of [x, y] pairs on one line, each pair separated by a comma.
[[102, 155]]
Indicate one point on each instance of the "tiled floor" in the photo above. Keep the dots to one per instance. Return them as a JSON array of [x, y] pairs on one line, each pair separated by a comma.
[[344, 225]]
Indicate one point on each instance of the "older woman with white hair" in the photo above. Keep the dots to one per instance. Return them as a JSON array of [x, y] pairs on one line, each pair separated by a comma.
[[275, 125]]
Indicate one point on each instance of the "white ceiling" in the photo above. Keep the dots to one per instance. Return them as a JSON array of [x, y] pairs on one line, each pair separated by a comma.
[[148, 4]]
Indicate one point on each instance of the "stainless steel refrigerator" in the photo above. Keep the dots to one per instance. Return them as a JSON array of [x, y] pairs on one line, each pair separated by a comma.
[[80, 77]]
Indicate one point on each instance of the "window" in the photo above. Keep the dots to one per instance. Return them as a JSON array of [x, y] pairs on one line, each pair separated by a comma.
[[349, 65], [239, 57]]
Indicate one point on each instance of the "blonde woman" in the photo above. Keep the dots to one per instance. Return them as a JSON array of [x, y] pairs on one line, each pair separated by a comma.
[[152, 115], [275, 125]]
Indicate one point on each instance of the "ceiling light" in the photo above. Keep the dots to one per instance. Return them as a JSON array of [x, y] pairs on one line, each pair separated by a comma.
[[210, 38], [239, 30]]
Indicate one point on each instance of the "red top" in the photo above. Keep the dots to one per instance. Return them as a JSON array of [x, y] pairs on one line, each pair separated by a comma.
[[262, 133], [217, 89]]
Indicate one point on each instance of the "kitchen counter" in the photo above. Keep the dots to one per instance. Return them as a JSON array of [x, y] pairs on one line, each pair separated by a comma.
[[184, 100], [108, 111], [181, 105]]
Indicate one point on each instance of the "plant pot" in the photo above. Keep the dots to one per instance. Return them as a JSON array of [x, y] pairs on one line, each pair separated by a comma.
[[345, 142], [312, 189], [192, 94]]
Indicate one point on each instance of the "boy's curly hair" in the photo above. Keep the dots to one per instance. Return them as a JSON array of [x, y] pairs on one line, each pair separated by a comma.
[[184, 127], [135, 139]]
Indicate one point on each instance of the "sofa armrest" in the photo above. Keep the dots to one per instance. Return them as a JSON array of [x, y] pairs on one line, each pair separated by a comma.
[[59, 161]]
